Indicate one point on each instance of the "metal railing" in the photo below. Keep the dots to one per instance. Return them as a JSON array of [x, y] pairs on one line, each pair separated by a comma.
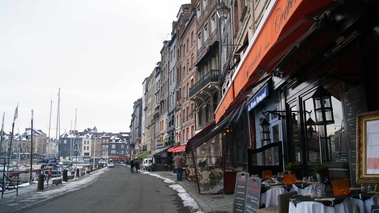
[[211, 76]]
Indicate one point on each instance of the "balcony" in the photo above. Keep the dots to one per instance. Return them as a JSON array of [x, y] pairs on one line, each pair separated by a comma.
[[209, 79]]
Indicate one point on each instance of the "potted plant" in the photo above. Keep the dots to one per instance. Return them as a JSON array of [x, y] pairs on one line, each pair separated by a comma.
[[321, 170], [289, 167]]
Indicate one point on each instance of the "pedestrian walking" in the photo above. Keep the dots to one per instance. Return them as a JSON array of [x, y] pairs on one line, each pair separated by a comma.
[[179, 163], [132, 165], [136, 164]]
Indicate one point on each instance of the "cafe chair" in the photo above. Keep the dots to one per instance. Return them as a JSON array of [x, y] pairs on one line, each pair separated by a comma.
[[289, 179], [341, 187], [190, 173], [266, 174], [284, 200], [205, 181]]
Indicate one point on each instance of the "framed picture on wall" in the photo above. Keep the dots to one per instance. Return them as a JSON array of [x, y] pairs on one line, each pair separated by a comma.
[[368, 147]]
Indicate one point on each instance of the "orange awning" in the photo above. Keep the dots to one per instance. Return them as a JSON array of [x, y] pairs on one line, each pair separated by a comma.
[[286, 24], [174, 149]]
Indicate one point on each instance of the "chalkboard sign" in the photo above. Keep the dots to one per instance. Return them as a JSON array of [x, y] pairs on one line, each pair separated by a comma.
[[354, 103], [240, 192], [253, 195]]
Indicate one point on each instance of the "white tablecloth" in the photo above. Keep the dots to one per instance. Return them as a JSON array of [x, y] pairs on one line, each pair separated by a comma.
[[306, 190], [270, 197], [318, 207]]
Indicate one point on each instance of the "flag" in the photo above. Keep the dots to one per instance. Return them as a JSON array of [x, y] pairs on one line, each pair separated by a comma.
[[15, 114]]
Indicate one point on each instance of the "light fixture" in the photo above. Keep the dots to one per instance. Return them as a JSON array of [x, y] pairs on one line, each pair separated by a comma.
[[265, 131], [311, 128], [222, 11], [322, 103]]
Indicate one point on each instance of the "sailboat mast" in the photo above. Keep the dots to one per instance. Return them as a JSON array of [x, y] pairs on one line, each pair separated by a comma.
[[51, 107], [58, 121], [31, 150], [2, 133]]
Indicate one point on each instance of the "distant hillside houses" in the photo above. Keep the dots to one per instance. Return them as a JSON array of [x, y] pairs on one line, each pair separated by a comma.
[[85, 146]]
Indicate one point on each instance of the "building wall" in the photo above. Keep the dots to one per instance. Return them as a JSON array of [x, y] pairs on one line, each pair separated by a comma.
[[172, 85], [163, 106], [189, 57]]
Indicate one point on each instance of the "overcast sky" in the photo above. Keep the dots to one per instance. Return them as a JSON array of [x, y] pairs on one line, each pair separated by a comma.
[[98, 52]]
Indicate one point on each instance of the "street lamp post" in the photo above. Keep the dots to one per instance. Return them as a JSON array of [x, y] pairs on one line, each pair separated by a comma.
[[222, 13]]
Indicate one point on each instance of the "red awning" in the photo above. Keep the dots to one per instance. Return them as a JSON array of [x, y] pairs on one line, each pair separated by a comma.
[[286, 25], [174, 149]]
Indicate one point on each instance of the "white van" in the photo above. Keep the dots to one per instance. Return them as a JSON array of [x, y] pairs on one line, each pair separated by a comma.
[[147, 164], [110, 164]]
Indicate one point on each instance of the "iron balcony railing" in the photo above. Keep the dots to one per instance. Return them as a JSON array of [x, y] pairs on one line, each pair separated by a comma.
[[211, 76]]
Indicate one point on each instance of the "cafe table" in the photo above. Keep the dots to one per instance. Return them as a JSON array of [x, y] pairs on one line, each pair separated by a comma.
[[306, 187], [333, 204], [269, 195], [327, 204]]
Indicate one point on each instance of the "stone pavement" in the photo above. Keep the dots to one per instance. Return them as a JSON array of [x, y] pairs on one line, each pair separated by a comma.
[[219, 203]]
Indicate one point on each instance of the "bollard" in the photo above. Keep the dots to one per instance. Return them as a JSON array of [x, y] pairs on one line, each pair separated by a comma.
[[77, 172], [64, 178], [41, 180]]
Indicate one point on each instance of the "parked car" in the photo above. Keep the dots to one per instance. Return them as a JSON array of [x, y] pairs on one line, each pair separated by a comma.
[[147, 164]]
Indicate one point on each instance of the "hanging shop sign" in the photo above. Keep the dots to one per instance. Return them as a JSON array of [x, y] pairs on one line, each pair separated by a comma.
[[257, 98]]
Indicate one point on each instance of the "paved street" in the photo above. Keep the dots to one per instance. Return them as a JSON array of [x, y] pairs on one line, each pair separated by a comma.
[[117, 191], [187, 191]]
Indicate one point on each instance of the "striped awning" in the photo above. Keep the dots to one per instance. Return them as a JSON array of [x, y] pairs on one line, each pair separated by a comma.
[[174, 149]]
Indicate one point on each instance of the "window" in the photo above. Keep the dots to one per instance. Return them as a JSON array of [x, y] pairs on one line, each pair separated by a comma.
[[183, 117], [187, 44], [192, 39], [205, 6], [206, 35], [198, 12], [187, 134], [213, 26], [187, 113], [199, 41]]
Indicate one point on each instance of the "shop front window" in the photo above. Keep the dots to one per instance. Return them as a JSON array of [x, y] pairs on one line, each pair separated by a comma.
[[325, 143], [208, 157], [312, 135], [295, 137]]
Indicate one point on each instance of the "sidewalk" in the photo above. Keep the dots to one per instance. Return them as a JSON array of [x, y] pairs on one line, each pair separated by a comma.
[[219, 203], [28, 195]]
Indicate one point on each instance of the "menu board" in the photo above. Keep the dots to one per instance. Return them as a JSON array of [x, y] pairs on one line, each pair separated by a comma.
[[240, 192], [353, 103], [253, 195]]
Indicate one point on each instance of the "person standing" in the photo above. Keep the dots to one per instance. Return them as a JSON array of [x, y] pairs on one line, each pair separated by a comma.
[[179, 163]]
